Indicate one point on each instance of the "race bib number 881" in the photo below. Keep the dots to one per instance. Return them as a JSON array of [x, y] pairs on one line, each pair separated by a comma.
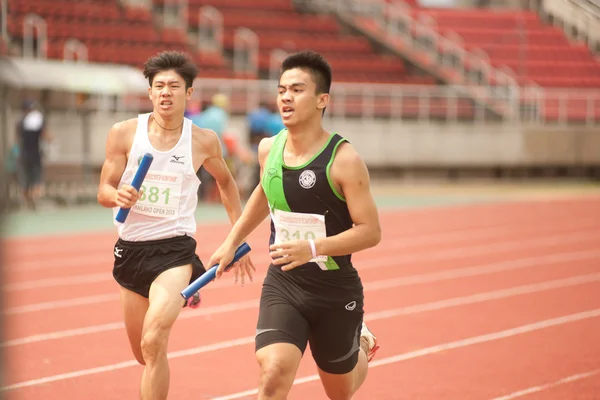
[[161, 192]]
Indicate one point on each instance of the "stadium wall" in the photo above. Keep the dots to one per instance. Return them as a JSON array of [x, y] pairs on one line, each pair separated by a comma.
[[394, 144]]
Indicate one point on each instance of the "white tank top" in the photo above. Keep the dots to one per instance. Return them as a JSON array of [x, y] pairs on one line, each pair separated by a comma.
[[166, 208]]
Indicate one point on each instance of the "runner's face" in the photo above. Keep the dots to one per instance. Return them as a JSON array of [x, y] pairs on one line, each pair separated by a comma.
[[297, 99], [168, 93]]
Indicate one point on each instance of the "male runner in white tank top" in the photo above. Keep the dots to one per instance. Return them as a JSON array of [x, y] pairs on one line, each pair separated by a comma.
[[155, 255]]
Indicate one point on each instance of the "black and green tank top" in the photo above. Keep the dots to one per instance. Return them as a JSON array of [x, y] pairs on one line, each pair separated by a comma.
[[308, 189]]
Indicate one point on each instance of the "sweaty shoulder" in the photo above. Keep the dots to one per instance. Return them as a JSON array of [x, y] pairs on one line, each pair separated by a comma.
[[346, 163], [205, 141], [121, 134]]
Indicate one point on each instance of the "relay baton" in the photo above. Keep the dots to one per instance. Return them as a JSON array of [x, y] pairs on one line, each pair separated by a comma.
[[138, 179], [210, 275]]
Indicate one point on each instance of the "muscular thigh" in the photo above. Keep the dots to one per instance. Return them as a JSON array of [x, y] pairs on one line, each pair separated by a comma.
[[336, 323], [279, 318], [165, 301]]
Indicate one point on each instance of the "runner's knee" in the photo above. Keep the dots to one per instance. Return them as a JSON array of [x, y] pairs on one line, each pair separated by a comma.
[[154, 344], [274, 373]]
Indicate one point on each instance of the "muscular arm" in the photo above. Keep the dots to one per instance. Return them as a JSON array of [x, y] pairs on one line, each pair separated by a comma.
[[216, 166], [350, 174], [257, 208], [114, 165], [255, 212]]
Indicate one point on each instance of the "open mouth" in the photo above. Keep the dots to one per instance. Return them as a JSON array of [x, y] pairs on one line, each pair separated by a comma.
[[287, 111], [166, 103]]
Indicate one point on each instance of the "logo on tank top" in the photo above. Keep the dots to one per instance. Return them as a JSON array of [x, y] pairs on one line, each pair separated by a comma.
[[176, 160], [307, 179]]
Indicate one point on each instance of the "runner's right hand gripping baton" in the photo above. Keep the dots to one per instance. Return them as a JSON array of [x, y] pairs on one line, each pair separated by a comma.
[[138, 179], [210, 275]]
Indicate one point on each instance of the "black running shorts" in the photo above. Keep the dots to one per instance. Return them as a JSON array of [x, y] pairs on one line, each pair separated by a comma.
[[137, 264], [324, 309]]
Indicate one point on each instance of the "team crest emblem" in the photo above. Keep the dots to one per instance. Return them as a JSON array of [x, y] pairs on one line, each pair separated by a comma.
[[307, 179]]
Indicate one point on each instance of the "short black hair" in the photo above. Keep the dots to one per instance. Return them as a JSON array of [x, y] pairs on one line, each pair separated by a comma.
[[171, 60], [315, 64]]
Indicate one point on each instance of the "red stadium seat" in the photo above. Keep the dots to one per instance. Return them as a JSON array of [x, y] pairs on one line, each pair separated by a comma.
[[519, 40]]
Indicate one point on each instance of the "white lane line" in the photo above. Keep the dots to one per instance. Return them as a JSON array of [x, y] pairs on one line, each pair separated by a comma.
[[403, 241], [58, 304], [401, 258], [369, 286], [58, 282], [448, 346], [540, 388], [377, 262], [501, 266], [204, 311], [385, 314]]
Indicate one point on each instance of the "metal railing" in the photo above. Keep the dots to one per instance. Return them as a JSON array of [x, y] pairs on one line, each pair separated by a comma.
[[470, 71], [532, 104], [580, 19], [75, 50], [276, 58], [33, 22], [4, 20], [210, 29], [175, 14], [245, 52], [423, 103]]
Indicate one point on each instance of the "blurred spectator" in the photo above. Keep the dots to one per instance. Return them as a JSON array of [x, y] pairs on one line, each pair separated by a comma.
[[274, 122], [262, 123], [214, 117], [192, 109], [257, 125], [31, 129]]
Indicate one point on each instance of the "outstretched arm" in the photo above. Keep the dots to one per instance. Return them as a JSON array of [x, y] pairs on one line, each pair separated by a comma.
[[256, 210]]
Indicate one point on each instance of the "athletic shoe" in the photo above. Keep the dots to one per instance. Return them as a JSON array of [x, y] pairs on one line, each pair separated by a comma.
[[371, 340], [194, 301]]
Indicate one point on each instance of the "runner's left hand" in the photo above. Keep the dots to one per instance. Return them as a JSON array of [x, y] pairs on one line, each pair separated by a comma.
[[243, 267], [291, 254], [223, 257]]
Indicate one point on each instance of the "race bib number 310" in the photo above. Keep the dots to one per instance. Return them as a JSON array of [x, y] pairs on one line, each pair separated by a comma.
[[161, 192], [299, 226]]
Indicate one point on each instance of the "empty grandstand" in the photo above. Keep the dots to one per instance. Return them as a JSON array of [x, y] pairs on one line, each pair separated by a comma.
[[508, 87]]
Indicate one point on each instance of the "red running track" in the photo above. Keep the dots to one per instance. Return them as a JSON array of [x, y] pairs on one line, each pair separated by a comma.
[[496, 301]]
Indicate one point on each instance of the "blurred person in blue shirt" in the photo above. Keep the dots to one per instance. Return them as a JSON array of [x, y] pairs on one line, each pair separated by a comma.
[[192, 109], [257, 125], [263, 122], [274, 124], [215, 118]]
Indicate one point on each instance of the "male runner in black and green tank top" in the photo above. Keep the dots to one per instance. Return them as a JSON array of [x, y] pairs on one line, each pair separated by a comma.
[[316, 188]]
